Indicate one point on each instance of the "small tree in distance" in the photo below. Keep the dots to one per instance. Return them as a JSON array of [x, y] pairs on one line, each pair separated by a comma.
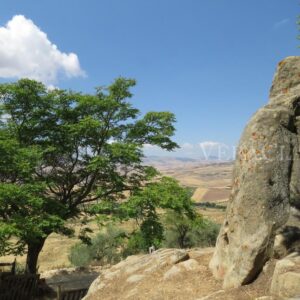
[[61, 150]]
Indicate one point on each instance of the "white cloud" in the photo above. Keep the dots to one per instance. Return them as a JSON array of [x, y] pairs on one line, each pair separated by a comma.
[[25, 51], [281, 23]]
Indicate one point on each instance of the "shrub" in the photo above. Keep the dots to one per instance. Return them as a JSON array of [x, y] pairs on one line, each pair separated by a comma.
[[205, 235], [105, 248], [184, 231], [80, 255]]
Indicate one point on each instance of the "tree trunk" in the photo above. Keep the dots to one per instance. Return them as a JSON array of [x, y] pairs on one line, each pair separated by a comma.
[[34, 249], [182, 237]]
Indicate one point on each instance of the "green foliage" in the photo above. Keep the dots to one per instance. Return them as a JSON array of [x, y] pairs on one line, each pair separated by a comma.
[[183, 231], [211, 205], [135, 244], [20, 268], [60, 150], [143, 206], [28, 215], [205, 235], [165, 215], [80, 255], [105, 248], [152, 231]]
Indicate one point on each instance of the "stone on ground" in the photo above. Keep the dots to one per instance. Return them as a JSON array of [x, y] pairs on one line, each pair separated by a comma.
[[286, 277]]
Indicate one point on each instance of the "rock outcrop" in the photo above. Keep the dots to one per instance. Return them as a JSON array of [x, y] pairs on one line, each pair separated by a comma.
[[184, 274], [286, 278], [266, 181], [164, 274]]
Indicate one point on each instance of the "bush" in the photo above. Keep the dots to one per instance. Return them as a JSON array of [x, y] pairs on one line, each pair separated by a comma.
[[205, 235], [183, 231], [105, 248], [80, 255]]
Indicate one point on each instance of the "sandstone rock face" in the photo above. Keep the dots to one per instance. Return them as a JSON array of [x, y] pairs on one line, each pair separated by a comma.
[[286, 277], [266, 180]]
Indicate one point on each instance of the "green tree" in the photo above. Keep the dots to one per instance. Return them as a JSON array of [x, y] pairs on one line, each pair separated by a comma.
[[179, 227], [184, 231], [77, 149], [145, 205]]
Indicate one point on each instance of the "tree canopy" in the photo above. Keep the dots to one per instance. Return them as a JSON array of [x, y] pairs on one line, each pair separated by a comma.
[[62, 149]]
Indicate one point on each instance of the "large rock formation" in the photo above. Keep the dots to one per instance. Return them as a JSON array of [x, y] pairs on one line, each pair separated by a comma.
[[164, 274], [266, 180]]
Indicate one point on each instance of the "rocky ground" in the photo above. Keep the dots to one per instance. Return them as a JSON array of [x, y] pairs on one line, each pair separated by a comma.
[[177, 274]]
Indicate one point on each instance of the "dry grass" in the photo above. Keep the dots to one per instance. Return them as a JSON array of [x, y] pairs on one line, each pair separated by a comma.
[[216, 194], [210, 181], [55, 251], [199, 193]]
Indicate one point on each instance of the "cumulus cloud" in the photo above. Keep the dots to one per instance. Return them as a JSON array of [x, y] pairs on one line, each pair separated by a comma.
[[25, 51]]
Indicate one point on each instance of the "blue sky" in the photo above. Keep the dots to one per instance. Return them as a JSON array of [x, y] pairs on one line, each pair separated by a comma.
[[211, 62]]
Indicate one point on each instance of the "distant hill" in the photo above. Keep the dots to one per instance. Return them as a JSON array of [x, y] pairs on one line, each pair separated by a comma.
[[167, 162]]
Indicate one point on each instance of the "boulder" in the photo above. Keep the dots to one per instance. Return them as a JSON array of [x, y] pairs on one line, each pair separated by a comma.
[[286, 277], [172, 272], [266, 181], [163, 274]]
